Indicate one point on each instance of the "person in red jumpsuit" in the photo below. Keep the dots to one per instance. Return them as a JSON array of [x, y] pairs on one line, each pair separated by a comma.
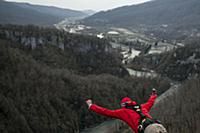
[[129, 116]]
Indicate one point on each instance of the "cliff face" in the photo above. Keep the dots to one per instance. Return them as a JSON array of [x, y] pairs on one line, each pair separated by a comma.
[[83, 54], [43, 86], [36, 37]]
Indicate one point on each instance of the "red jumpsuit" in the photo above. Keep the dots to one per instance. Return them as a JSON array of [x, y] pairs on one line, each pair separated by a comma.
[[127, 115]]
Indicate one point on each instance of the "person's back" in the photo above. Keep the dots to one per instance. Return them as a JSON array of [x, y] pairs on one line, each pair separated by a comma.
[[130, 116]]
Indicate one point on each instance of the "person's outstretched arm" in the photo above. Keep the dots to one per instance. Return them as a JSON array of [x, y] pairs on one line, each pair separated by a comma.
[[148, 105], [102, 111]]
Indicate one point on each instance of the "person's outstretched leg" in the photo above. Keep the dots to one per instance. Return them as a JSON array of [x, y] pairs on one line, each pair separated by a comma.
[[155, 128]]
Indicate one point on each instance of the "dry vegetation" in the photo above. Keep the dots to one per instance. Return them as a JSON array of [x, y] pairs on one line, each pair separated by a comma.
[[44, 89], [180, 113]]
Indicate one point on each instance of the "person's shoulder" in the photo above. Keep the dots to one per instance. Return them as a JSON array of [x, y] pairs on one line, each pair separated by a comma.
[[142, 105]]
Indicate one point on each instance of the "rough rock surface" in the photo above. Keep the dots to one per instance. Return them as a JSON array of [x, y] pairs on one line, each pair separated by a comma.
[[155, 128]]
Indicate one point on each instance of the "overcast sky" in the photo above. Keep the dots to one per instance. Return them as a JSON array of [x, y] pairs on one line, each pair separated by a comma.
[[84, 4]]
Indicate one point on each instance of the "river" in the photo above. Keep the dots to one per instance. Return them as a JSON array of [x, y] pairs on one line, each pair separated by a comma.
[[128, 56]]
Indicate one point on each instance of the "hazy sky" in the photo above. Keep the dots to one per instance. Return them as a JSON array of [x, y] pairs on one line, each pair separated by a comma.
[[84, 4]]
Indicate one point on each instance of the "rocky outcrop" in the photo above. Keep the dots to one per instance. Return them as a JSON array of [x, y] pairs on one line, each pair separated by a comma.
[[30, 40], [155, 128], [33, 36]]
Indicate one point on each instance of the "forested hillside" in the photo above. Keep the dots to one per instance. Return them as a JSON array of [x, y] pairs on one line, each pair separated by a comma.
[[24, 13], [82, 54], [180, 112], [179, 64], [43, 87], [175, 19], [158, 12]]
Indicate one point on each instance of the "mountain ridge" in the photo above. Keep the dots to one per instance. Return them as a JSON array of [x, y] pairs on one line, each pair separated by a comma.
[[173, 13], [25, 13]]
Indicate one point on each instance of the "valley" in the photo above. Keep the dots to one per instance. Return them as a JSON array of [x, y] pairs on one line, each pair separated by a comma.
[[126, 42], [52, 59]]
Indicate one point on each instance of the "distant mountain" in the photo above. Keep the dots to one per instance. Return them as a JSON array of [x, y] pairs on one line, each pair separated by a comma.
[[24, 13], [89, 12], [175, 13]]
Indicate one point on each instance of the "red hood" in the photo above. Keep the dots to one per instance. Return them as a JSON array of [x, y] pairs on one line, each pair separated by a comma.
[[127, 99]]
